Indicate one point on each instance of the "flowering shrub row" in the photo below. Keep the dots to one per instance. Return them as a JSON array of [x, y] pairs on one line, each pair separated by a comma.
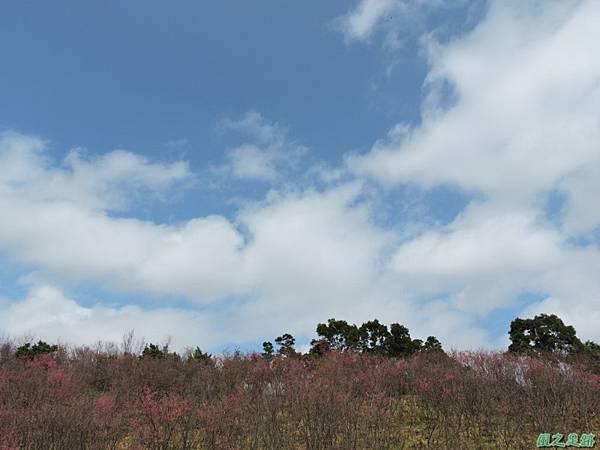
[[93, 400]]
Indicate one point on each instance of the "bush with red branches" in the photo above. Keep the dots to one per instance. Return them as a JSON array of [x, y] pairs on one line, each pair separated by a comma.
[[341, 398]]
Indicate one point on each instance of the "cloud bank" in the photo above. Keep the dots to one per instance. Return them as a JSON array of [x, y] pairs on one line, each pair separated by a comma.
[[523, 124], [510, 119]]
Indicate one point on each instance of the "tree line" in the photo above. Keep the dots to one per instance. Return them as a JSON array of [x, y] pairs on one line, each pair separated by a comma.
[[354, 388], [545, 334], [371, 337]]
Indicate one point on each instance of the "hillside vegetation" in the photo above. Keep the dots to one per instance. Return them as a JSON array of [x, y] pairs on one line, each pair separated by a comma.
[[339, 397]]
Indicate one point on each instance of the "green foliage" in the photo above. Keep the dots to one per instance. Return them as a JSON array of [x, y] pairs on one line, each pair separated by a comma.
[[543, 334], [201, 356], [268, 349], [548, 335], [592, 350], [31, 351], [286, 344], [591, 353], [432, 345], [154, 351], [399, 342], [319, 347], [335, 334], [373, 337]]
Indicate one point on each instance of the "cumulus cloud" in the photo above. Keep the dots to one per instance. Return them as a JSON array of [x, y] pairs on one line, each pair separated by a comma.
[[204, 259], [303, 256], [267, 157], [582, 187], [46, 313], [58, 218], [106, 182], [483, 259], [523, 122]]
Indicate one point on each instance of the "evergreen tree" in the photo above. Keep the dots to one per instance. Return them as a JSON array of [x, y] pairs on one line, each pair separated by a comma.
[[31, 351], [543, 334], [267, 349], [432, 344], [373, 337], [152, 351], [335, 334], [286, 344], [399, 342], [201, 356]]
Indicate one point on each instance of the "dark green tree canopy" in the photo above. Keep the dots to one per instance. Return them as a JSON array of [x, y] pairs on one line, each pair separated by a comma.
[[543, 334], [286, 344], [399, 343], [268, 349], [152, 351], [337, 334], [31, 351], [201, 356], [371, 337], [432, 345]]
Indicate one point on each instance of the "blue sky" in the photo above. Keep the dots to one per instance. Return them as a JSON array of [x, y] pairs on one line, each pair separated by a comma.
[[155, 74], [222, 173], [158, 79]]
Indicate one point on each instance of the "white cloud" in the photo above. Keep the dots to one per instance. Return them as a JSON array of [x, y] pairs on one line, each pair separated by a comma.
[[483, 259], [360, 22], [528, 104], [313, 251], [267, 158], [250, 162], [479, 243], [582, 187], [254, 124], [57, 218], [46, 313], [107, 182], [398, 18], [307, 256], [523, 122]]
